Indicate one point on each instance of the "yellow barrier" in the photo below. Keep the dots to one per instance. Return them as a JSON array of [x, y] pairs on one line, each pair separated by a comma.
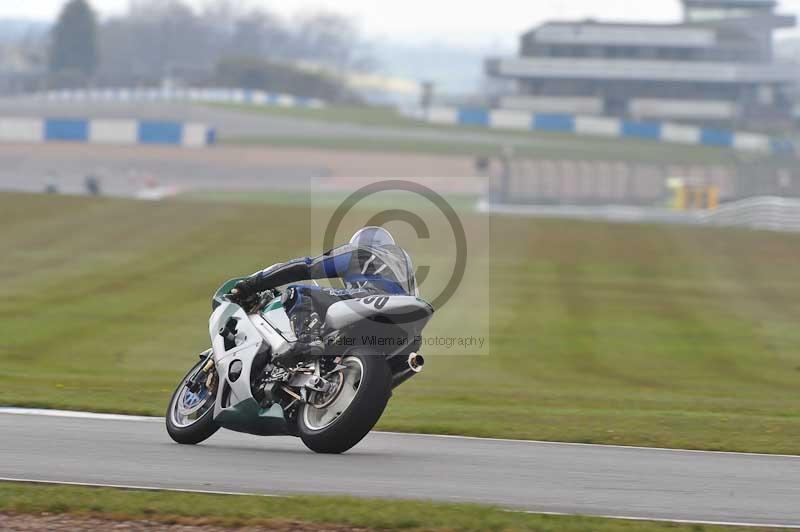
[[699, 197]]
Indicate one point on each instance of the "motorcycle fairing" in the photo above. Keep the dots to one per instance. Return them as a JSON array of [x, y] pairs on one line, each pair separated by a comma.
[[235, 407]]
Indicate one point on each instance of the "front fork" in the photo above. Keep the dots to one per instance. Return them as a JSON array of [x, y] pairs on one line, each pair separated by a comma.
[[205, 375]]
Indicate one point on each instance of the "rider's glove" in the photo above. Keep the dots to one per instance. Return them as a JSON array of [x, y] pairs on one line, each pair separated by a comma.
[[241, 292]]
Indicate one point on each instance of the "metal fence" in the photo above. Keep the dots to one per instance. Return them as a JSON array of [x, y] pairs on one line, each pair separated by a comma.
[[764, 213], [549, 182], [565, 182], [213, 95]]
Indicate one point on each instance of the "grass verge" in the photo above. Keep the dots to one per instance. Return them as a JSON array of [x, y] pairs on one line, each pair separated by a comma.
[[547, 145], [239, 510], [460, 202], [359, 115], [558, 146], [600, 333], [389, 117]]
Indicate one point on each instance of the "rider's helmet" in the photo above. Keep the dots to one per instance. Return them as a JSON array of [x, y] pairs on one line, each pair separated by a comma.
[[373, 236]]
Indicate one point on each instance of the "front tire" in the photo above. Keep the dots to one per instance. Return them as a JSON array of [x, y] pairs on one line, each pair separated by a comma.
[[339, 422], [197, 426]]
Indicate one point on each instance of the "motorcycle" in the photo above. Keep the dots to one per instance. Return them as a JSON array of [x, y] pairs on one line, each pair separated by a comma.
[[330, 401]]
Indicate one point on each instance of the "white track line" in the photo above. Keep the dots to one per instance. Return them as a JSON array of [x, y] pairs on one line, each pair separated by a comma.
[[596, 445], [122, 417], [75, 414]]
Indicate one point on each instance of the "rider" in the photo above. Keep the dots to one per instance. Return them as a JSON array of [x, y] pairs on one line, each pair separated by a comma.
[[371, 263]]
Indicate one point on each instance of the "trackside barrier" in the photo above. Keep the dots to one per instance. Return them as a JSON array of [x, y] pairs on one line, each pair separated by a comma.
[[608, 127], [764, 213], [767, 212], [106, 131], [210, 95]]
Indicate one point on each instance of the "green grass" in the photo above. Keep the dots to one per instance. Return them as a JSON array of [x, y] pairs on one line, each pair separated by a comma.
[[526, 143], [555, 146], [621, 334], [567, 148], [386, 200], [360, 115], [239, 511]]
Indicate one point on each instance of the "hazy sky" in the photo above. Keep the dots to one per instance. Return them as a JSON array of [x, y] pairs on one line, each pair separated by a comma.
[[477, 22]]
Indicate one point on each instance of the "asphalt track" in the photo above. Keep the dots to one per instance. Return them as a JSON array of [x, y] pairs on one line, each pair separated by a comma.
[[527, 476]]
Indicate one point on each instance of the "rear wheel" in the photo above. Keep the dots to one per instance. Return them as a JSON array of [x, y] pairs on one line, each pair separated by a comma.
[[336, 421], [190, 416]]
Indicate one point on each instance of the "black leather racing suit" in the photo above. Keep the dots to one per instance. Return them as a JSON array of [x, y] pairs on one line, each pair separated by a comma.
[[364, 269]]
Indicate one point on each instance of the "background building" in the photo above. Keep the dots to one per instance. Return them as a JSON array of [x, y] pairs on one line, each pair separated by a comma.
[[716, 67]]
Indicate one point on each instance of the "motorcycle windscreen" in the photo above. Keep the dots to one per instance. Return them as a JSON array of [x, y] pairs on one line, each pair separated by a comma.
[[387, 268]]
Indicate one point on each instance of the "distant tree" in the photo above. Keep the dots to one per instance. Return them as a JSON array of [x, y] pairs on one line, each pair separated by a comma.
[[226, 43], [73, 48], [260, 35], [157, 39], [326, 38]]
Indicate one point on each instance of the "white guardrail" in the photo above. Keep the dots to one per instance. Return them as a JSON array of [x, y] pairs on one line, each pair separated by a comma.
[[106, 131], [763, 212], [211, 95], [606, 127]]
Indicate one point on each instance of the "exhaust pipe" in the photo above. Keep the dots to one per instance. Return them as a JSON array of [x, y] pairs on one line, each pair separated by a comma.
[[415, 364]]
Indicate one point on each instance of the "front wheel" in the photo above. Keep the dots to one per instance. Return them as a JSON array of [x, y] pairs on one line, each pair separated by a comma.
[[190, 415], [336, 421]]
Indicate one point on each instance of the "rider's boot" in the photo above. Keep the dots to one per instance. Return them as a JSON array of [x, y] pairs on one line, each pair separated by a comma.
[[308, 345]]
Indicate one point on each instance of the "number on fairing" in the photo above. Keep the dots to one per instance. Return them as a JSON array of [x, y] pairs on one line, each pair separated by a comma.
[[377, 302]]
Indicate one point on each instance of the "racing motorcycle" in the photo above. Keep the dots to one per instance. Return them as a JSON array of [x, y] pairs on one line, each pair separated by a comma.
[[331, 401]]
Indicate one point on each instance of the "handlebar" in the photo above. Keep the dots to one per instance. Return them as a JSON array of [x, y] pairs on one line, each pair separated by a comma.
[[223, 292]]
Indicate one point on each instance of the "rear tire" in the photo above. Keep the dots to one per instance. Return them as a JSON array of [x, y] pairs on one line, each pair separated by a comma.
[[362, 413], [197, 430]]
